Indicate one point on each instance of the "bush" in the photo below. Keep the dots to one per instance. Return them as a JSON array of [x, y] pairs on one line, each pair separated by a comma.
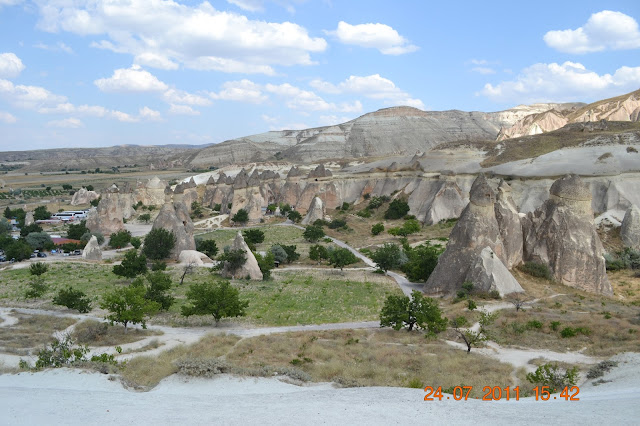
[[253, 236], [158, 244], [73, 299], [36, 288], [136, 242], [389, 256], [313, 233], [120, 239], [294, 216], [233, 260], [537, 270], [345, 206], [292, 254], [241, 217], [266, 264], [419, 311], [375, 202], [61, 352], [377, 229], [218, 299], [338, 223], [318, 252], [409, 227], [131, 265], [38, 268], [279, 254], [568, 332], [534, 324], [551, 375], [366, 213], [145, 217], [158, 265], [208, 247], [397, 210]]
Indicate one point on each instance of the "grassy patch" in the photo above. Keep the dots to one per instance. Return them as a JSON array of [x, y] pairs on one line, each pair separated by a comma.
[[96, 333], [31, 331]]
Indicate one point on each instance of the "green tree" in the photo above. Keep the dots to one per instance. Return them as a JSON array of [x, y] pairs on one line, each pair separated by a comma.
[[253, 236], [145, 217], [89, 187], [128, 305], [397, 210], [158, 243], [279, 254], [266, 264], [28, 229], [208, 247], [38, 268], [66, 186], [233, 260], [284, 209], [422, 261], [377, 228], [218, 299], [136, 242], [241, 217], [470, 337], [271, 208], [41, 213], [341, 257], [120, 239], [39, 240], [318, 252], [18, 250], [420, 312], [292, 254], [294, 216], [76, 231], [132, 265], [553, 376], [5, 226], [73, 299], [313, 233], [389, 256], [196, 210], [158, 289]]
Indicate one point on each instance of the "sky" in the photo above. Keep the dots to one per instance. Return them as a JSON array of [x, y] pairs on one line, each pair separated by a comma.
[[79, 73]]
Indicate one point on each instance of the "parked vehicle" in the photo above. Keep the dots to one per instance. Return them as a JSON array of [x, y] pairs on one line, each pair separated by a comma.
[[41, 254]]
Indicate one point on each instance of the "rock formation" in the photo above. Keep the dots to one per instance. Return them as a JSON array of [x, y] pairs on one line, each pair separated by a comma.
[[320, 172], [476, 230], [174, 217], [316, 212], [509, 225], [488, 274], [82, 196], [193, 257], [109, 216], [630, 229], [561, 234], [150, 193], [250, 268], [28, 219], [92, 250]]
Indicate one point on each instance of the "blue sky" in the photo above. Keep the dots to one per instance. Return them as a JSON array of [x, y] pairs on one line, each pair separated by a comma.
[[154, 72]]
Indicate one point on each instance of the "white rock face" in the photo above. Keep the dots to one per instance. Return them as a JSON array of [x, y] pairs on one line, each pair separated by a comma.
[[188, 257], [250, 268], [82, 196], [630, 230], [92, 250], [488, 273], [28, 219], [316, 211]]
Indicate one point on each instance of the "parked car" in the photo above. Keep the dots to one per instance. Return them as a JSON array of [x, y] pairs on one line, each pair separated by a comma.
[[41, 254], [76, 252], [3, 258]]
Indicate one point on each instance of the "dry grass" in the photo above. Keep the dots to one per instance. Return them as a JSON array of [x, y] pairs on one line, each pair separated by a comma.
[[348, 357], [626, 286], [96, 333], [31, 331], [153, 344]]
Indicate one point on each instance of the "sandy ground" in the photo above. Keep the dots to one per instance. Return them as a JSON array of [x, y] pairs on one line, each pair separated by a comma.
[[74, 397]]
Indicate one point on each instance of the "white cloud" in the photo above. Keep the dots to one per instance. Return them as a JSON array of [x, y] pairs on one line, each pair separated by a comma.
[[67, 123], [9, 2], [258, 5], [483, 70], [59, 47], [241, 91], [377, 36], [165, 33], [6, 117], [28, 97], [565, 82], [133, 79], [372, 86], [124, 117], [355, 106], [331, 120], [10, 65], [182, 110], [148, 114], [296, 98], [604, 30], [174, 96]]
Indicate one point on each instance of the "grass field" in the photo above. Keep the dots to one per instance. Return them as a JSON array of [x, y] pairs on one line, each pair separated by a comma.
[[31, 333]]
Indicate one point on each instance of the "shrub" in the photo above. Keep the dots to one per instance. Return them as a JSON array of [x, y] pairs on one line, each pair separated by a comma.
[[253, 236], [375, 202], [337, 223], [61, 352], [377, 228], [218, 299], [38, 268], [366, 213], [419, 311], [36, 288], [397, 209], [568, 332], [318, 252], [534, 324], [389, 256], [241, 217], [294, 216], [158, 244], [208, 247], [266, 264], [120, 239], [341, 257], [131, 265], [553, 376], [313, 233], [73, 299], [601, 368], [145, 217], [279, 254], [537, 270], [409, 227], [158, 265], [292, 254], [136, 242], [345, 206]]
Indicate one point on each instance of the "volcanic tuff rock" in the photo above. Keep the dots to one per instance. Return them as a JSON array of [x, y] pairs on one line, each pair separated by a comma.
[[92, 250], [316, 212], [174, 217], [193, 257], [488, 274], [630, 229], [150, 193], [82, 196], [320, 172], [561, 234], [109, 216], [250, 267], [509, 224], [28, 219], [436, 200], [534, 125]]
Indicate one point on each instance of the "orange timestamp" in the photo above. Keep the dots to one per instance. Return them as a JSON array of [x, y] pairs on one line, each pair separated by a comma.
[[495, 393]]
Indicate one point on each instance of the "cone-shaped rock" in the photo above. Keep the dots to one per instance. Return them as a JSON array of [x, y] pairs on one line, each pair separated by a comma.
[[250, 268], [488, 274], [174, 217], [630, 230], [316, 211], [28, 219], [92, 250], [82, 196], [561, 234]]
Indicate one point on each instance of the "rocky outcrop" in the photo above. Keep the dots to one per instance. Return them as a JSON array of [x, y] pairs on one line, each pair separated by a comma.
[[509, 225], [436, 200], [630, 229], [28, 219], [316, 212], [561, 234], [174, 217], [250, 268], [489, 274], [320, 172], [193, 257], [82, 196], [150, 193], [534, 125], [92, 250], [109, 216]]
